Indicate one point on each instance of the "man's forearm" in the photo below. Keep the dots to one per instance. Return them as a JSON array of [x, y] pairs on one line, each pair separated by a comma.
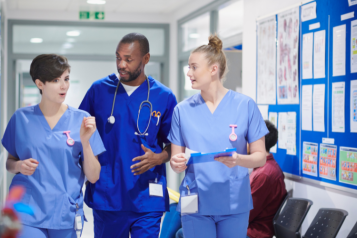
[[165, 155]]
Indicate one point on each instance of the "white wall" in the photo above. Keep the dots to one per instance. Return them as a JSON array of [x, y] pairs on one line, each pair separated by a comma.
[[320, 195]]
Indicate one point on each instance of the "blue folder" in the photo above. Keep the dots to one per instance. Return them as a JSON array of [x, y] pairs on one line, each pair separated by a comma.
[[209, 157]]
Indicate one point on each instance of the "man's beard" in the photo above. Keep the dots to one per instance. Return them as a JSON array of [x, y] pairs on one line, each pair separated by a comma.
[[132, 76]]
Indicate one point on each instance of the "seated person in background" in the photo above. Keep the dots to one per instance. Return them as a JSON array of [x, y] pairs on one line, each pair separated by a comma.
[[268, 191]]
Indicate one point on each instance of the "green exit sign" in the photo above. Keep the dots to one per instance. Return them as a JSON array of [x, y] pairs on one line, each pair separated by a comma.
[[86, 15]]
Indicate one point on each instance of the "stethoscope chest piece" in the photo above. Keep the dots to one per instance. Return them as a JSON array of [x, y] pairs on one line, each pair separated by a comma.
[[111, 119]]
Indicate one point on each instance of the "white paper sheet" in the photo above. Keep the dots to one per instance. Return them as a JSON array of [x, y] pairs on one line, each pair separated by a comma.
[[338, 107], [264, 111], [354, 46], [314, 26], [306, 108], [266, 92], [319, 54], [291, 134], [353, 112], [319, 107], [282, 129], [273, 118], [352, 2], [287, 57], [339, 50], [307, 55], [347, 16], [308, 12]]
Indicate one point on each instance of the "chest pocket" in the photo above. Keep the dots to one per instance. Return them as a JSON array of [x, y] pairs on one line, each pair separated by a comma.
[[151, 138]]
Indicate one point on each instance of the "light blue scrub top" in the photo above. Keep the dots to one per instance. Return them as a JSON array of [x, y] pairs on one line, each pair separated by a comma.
[[56, 185], [221, 190], [118, 189]]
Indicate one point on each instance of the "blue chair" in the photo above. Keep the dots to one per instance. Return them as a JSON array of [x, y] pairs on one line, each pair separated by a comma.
[[171, 223], [179, 233]]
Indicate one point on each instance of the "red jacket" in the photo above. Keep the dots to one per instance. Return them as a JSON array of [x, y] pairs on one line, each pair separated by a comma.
[[268, 192]]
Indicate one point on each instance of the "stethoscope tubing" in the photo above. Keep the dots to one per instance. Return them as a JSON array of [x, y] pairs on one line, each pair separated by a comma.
[[143, 103]]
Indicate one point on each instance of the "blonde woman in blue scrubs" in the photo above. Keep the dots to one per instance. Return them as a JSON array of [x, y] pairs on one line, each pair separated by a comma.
[[52, 147], [214, 120]]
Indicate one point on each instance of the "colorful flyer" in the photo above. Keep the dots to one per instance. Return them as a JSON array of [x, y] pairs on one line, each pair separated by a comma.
[[328, 156], [309, 162], [348, 165]]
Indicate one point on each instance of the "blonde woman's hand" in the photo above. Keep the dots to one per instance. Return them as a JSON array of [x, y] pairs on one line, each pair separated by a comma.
[[229, 161], [178, 162]]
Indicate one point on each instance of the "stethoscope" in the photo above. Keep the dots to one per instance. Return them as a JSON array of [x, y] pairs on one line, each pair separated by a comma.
[[147, 103]]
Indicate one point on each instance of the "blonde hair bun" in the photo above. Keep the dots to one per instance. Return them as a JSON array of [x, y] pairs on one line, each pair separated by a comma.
[[215, 42]]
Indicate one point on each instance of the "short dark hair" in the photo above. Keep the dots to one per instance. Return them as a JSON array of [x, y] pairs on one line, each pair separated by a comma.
[[272, 137], [47, 67], [141, 39]]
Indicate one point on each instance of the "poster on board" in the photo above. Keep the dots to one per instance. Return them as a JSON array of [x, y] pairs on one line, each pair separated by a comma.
[[348, 165], [266, 79], [288, 57], [328, 158], [309, 161]]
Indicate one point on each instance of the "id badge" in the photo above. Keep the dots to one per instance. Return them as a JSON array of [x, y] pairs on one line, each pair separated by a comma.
[[78, 222], [189, 204], [156, 189]]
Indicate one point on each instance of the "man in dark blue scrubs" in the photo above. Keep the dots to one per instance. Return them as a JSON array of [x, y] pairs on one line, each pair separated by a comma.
[[133, 117]]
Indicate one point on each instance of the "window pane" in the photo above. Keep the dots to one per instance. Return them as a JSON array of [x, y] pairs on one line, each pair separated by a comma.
[[195, 32], [230, 19], [80, 40]]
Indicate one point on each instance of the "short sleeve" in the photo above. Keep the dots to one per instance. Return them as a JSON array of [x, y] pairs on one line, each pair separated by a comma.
[[86, 104], [165, 125], [175, 135], [8, 140], [96, 144], [256, 125]]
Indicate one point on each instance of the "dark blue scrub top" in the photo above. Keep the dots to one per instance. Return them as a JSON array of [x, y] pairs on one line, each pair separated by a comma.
[[118, 189]]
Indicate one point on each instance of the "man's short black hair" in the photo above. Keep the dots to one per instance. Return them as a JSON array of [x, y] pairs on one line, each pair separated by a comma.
[[272, 137], [47, 67], [141, 39]]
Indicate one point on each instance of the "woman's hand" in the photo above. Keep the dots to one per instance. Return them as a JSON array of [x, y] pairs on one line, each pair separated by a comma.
[[229, 161], [178, 162], [88, 127], [27, 167]]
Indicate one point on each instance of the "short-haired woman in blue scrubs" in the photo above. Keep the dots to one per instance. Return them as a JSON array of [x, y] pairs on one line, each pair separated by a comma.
[[52, 147], [214, 120]]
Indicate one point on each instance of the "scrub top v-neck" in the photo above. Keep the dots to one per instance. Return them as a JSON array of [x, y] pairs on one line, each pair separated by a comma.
[[54, 189], [118, 189], [221, 190]]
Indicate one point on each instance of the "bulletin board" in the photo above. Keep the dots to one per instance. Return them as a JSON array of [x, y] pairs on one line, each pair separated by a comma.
[[329, 14]]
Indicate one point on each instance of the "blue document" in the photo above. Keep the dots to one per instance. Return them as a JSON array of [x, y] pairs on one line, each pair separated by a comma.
[[209, 157]]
